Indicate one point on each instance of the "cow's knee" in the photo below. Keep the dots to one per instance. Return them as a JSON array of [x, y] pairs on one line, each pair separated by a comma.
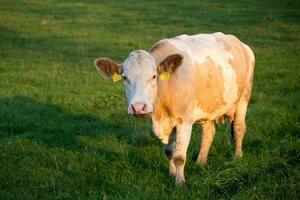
[[178, 161]]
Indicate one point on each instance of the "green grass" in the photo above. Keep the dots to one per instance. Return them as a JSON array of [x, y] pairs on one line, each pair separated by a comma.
[[64, 131]]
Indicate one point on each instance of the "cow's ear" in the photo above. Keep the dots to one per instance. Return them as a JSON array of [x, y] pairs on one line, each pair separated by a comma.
[[170, 63], [108, 68]]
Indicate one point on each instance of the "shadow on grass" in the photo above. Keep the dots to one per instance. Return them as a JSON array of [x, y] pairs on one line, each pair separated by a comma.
[[54, 126], [92, 143]]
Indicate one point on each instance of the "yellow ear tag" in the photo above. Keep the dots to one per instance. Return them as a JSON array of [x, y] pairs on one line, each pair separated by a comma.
[[116, 77], [164, 76]]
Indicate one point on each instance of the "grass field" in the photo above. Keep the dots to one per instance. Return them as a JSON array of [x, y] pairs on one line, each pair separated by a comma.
[[64, 131]]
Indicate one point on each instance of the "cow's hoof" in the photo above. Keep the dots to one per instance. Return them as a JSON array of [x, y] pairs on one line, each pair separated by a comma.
[[180, 182], [238, 155], [201, 162]]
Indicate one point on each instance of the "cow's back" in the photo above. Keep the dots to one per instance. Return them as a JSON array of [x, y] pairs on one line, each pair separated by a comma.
[[212, 77]]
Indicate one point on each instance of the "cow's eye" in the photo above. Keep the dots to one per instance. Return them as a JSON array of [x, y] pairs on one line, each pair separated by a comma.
[[124, 78], [154, 77]]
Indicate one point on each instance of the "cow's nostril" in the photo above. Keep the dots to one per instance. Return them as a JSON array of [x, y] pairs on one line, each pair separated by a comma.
[[144, 108], [139, 108], [133, 108]]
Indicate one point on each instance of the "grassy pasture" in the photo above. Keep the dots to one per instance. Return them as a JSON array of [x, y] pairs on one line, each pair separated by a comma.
[[64, 131]]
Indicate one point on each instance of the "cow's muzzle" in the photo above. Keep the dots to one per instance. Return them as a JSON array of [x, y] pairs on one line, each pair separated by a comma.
[[139, 109]]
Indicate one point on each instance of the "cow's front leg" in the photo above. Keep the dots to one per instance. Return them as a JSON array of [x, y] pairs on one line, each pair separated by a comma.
[[208, 132], [183, 135], [169, 150]]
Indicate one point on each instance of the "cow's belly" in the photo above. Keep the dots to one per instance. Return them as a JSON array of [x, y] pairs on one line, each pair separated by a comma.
[[200, 114]]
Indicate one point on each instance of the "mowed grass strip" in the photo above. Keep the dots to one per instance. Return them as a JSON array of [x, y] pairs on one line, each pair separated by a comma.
[[64, 131]]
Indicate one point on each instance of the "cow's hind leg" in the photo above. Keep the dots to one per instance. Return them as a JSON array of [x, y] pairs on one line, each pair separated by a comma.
[[239, 124], [169, 150], [208, 132], [239, 128], [183, 135]]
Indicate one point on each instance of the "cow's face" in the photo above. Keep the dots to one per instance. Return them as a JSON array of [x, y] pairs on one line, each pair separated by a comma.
[[140, 78], [140, 75]]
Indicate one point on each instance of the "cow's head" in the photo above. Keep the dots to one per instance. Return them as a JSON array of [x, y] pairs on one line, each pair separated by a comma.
[[140, 75]]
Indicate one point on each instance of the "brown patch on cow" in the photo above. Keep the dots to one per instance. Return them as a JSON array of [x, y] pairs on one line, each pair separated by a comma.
[[210, 86], [178, 161], [163, 120], [240, 79], [179, 121]]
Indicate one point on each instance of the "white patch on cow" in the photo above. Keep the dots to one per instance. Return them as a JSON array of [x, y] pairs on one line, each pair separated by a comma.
[[139, 68], [218, 33], [201, 46]]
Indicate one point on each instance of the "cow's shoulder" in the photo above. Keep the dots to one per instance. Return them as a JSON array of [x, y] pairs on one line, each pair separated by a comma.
[[162, 49], [158, 46]]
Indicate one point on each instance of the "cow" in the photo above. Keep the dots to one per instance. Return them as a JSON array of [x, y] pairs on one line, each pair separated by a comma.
[[185, 80]]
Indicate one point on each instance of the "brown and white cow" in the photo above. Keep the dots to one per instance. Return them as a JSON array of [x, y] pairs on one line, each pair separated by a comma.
[[184, 80]]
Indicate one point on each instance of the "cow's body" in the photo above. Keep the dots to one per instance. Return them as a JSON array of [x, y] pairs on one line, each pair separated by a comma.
[[211, 77], [216, 72]]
